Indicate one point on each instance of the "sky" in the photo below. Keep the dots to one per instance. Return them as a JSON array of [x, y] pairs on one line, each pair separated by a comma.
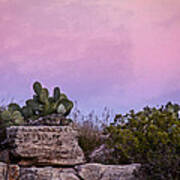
[[122, 54]]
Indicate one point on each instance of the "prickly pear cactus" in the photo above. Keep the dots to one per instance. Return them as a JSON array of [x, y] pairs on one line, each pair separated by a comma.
[[57, 94], [42, 104], [37, 88], [12, 116], [14, 107], [17, 118]]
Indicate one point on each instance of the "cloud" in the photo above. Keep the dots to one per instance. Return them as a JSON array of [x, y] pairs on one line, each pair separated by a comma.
[[119, 52]]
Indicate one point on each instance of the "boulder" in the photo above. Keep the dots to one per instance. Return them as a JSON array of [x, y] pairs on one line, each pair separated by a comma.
[[4, 156], [44, 145], [47, 173], [80, 172], [33, 173], [101, 155], [107, 172], [52, 153]]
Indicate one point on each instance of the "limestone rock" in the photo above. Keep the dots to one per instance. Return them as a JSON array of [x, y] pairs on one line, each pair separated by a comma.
[[3, 171], [101, 154], [80, 172], [4, 156], [34, 173], [50, 120], [107, 172], [47, 173], [45, 145], [90, 171], [67, 176]]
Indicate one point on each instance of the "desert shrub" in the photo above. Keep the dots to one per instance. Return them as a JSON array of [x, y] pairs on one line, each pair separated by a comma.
[[89, 137], [164, 164], [90, 129], [150, 137]]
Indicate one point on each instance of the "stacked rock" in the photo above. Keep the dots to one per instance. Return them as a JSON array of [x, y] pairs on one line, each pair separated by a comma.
[[45, 152]]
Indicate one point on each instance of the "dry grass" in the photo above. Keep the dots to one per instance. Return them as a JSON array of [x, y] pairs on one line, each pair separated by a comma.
[[90, 128]]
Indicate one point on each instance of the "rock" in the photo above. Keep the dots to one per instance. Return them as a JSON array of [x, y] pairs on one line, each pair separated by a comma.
[[3, 171], [50, 120], [90, 171], [67, 176], [120, 172], [101, 154], [48, 173], [34, 173], [53, 153], [4, 156], [107, 172], [44, 145], [79, 172]]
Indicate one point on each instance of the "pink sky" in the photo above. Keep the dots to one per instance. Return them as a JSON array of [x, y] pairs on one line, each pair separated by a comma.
[[120, 53]]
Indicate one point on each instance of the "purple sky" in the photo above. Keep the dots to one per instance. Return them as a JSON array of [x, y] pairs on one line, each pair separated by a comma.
[[121, 54]]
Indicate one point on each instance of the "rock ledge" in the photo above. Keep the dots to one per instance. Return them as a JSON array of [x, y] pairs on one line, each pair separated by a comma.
[[81, 172], [45, 145], [52, 153]]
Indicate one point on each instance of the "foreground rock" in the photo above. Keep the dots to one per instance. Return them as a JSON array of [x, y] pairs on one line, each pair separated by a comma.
[[50, 120], [44, 145], [101, 154], [47, 173], [107, 172], [52, 153], [81, 172]]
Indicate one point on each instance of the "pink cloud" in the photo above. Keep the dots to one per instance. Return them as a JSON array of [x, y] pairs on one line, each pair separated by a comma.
[[119, 52]]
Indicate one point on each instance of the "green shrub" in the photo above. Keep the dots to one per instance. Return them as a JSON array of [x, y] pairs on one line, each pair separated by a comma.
[[11, 115], [150, 137]]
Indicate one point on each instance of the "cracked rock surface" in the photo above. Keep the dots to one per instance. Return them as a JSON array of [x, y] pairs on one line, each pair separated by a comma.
[[45, 145], [52, 153], [81, 172]]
